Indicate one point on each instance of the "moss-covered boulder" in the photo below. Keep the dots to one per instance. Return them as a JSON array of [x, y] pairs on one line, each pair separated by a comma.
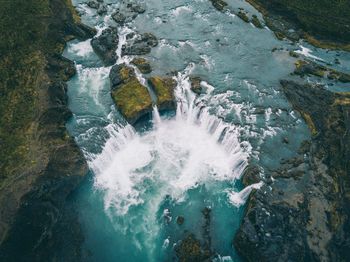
[[120, 74], [142, 64], [164, 90], [106, 44], [132, 99], [130, 96], [256, 22]]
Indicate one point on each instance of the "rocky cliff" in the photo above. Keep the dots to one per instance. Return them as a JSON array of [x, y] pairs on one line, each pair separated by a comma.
[[40, 163]]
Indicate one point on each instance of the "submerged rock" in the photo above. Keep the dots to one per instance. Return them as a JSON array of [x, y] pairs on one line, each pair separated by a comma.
[[296, 19], [119, 17], [251, 175], [142, 64], [164, 90], [140, 45], [189, 249], [180, 220], [307, 67], [106, 45]]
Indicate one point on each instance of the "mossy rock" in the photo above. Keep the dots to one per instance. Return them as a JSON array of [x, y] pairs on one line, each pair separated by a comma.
[[164, 90], [142, 64], [219, 5], [241, 14], [120, 74], [256, 22], [133, 100], [196, 84]]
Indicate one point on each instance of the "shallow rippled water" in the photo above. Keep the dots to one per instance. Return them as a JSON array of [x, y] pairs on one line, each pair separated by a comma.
[[142, 179]]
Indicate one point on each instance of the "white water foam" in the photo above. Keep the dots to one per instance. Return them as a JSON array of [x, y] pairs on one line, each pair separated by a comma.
[[177, 154], [307, 52]]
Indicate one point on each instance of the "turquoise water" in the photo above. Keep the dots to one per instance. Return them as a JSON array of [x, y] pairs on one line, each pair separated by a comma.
[[142, 179]]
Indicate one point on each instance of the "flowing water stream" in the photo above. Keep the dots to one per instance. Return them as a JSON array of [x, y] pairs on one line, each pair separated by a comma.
[[178, 164]]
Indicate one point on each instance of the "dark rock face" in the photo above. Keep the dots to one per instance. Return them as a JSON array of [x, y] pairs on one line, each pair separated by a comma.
[[35, 222], [303, 215], [106, 45], [120, 74], [142, 64], [140, 45], [332, 31], [130, 96], [180, 220], [196, 84], [93, 4]]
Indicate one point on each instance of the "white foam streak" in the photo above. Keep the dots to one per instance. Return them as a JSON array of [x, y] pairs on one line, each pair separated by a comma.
[[239, 198]]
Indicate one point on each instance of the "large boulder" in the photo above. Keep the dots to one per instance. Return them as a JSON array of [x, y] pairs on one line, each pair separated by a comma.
[[164, 90], [130, 96], [140, 45], [106, 45], [127, 13]]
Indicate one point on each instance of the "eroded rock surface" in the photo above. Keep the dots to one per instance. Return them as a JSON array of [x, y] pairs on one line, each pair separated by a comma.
[[164, 90], [106, 45], [303, 215], [130, 96]]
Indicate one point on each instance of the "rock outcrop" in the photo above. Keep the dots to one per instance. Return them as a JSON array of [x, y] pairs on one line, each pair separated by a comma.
[[142, 64], [164, 90], [130, 96], [300, 19], [140, 44], [306, 67], [40, 163], [303, 213], [106, 44]]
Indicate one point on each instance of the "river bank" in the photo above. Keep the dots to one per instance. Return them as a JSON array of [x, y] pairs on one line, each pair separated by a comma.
[[40, 163]]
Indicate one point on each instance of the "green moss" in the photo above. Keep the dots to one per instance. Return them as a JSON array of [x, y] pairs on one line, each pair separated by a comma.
[[164, 89], [25, 42], [310, 123], [325, 23], [132, 99], [256, 22], [142, 64], [243, 16]]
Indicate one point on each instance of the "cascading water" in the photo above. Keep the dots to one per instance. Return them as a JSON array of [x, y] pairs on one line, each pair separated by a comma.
[[143, 180]]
